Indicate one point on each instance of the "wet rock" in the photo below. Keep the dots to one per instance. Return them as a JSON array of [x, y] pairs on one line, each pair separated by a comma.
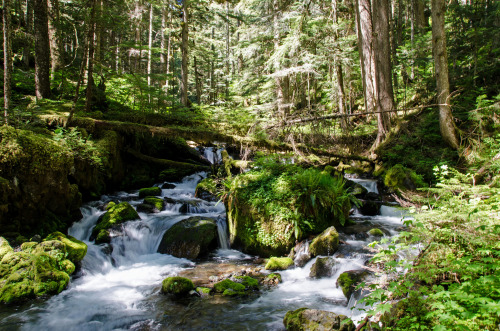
[[349, 280], [203, 292], [167, 186], [151, 205], [189, 207], [207, 273], [272, 280], [279, 263], [38, 268], [376, 232], [304, 319], [323, 267], [326, 243], [116, 215], [358, 190], [300, 254], [149, 192], [190, 238], [400, 178], [207, 190], [178, 286], [247, 281], [229, 288]]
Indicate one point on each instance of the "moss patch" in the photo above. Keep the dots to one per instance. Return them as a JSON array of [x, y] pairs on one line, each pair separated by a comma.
[[349, 280], [157, 203], [279, 263], [177, 286], [116, 214], [400, 178], [75, 248], [229, 288], [376, 232], [248, 282], [149, 192], [326, 243]]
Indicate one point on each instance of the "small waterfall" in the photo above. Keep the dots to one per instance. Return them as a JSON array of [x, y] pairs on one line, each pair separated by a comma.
[[223, 233], [369, 184], [212, 154], [302, 255]]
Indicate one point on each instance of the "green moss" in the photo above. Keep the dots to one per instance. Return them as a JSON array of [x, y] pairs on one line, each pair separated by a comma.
[[103, 237], [110, 205], [228, 284], [158, 203], [349, 280], [232, 293], [115, 215], [400, 178], [203, 291], [67, 266], [248, 282], [177, 286], [376, 232], [326, 243], [292, 319], [149, 192], [75, 248], [275, 277], [206, 185], [279, 263], [28, 246]]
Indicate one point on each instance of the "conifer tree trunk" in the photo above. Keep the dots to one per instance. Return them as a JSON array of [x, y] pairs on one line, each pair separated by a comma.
[[278, 82], [446, 124], [29, 31], [7, 61], [365, 35], [42, 49], [184, 51], [383, 72], [90, 70], [150, 49], [56, 45]]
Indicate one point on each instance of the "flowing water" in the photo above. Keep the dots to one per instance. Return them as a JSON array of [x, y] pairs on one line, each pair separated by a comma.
[[121, 290]]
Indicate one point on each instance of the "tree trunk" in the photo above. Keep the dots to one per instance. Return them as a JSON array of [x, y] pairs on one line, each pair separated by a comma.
[[90, 70], [162, 40], [383, 72], [197, 81], [29, 31], [185, 56], [446, 124], [150, 50], [56, 45], [42, 49], [276, 39], [365, 35], [7, 62], [212, 69]]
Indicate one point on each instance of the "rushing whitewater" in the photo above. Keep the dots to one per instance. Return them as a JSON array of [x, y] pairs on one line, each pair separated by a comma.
[[118, 286]]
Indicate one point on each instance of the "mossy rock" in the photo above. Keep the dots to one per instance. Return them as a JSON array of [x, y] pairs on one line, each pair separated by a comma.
[[157, 203], [178, 286], [323, 267], [190, 238], [103, 237], [349, 280], [376, 232], [150, 192], [304, 319], [399, 178], [279, 263], [229, 288], [203, 291], [25, 275], [247, 281], [75, 248], [326, 243], [206, 190], [273, 279], [116, 214]]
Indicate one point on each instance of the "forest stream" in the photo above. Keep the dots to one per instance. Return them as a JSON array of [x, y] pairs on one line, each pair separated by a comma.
[[121, 290]]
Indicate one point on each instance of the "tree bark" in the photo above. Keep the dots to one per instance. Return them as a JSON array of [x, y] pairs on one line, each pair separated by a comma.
[[278, 80], [446, 124], [56, 45], [29, 32], [90, 70], [7, 62], [150, 49], [42, 49], [365, 35], [185, 55]]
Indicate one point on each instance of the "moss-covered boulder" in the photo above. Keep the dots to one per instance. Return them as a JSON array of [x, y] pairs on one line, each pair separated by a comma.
[[304, 319], [399, 178], [116, 214], [38, 269], [323, 267], [230, 288], [279, 263], [190, 238], [75, 248], [376, 232], [206, 190], [349, 280], [326, 243], [250, 283], [178, 286], [273, 279], [358, 190], [150, 192], [203, 291], [151, 205]]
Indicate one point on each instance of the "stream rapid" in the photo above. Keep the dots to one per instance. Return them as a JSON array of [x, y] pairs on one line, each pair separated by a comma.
[[121, 290]]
